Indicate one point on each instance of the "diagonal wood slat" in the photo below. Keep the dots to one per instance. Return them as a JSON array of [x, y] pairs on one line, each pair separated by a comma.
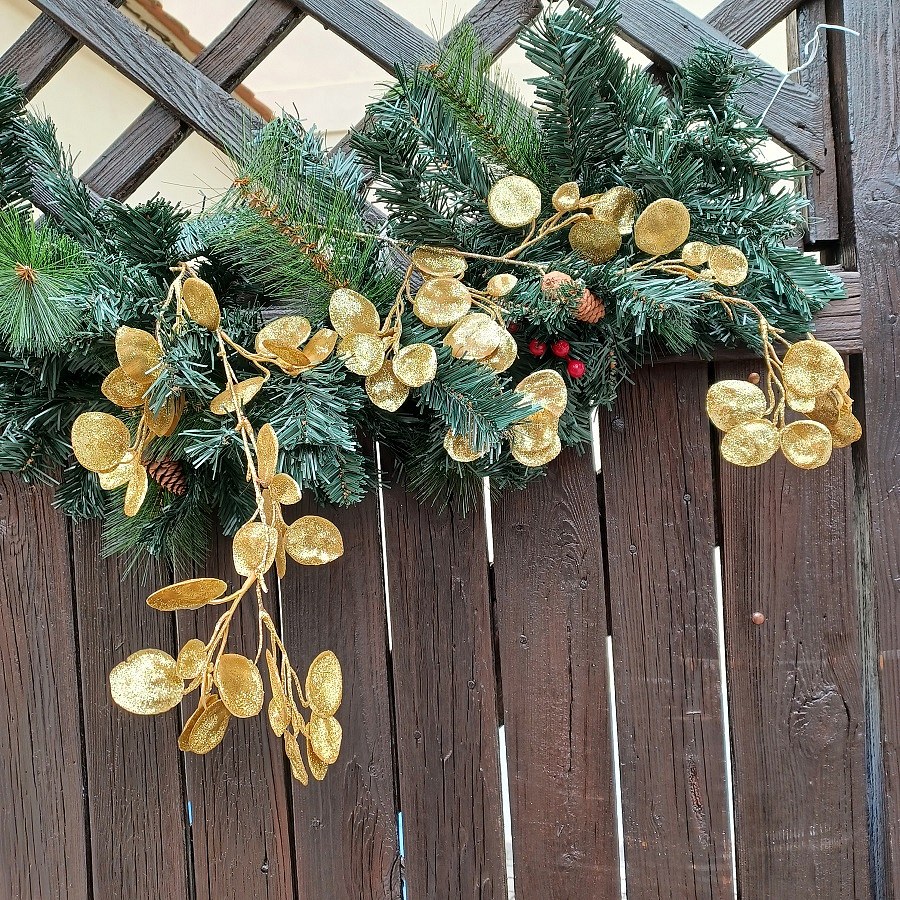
[[161, 72], [669, 34], [746, 21], [42, 50], [157, 132]]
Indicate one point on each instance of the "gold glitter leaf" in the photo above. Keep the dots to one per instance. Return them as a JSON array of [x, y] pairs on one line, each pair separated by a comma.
[[190, 594], [279, 717], [751, 443], [292, 752], [617, 206], [812, 368], [254, 548], [290, 359], [540, 456], [284, 488], [205, 729], [313, 541], [662, 227], [505, 354], [136, 492], [441, 301], [362, 353], [147, 683], [99, 441], [291, 331], [730, 403], [460, 448], [325, 684], [416, 364], [138, 352], [825, 409], [534, 433], [119, 476], [191, 659], [325, 736], [474, 336], [240, 685], [545, 388], [200, 301], [799, 404], [317, 766], [120, 388], [846, 430], [350, 313], [438, 261], [318, 348], [806, 444], [223, 404], [164, 422], [514, 201], [566, 197], [695, 253], [385, 389], [502, 284], [595, 239], [728, 264], [266, 453]]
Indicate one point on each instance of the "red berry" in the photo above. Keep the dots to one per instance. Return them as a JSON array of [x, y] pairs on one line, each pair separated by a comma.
[[536, 347], [513, 327], [560, 348], [575, 368]]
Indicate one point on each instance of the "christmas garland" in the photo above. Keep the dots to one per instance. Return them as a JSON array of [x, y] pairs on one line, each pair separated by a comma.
[[208, 370]]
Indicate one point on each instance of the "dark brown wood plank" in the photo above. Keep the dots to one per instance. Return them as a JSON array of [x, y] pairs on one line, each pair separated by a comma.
[[239, 793], [746, 21], [873, 73], [41, 51], [669, 34], [152, 66], [659, 505], [445, 701], [794, 680], [157, 132], [134, 775], [345, 828], [551, 633], [43, 842]]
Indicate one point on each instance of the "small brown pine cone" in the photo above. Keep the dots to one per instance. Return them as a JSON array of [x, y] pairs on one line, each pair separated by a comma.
[[169, 475], [554, 284], [590, 309]]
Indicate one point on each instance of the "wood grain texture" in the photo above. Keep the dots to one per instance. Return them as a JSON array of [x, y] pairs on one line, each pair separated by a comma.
[[551, 636], [794, 681], [152, 66], [669, 34], [135, 788], [660, 530], [873, 75], [445, 701], [40, 52], [239, 792], [345, 828], [746, 21], [498, 22], [157, 132], [43, 842]]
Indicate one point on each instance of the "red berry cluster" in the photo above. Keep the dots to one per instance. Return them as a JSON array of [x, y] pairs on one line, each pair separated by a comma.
[[561, 350]]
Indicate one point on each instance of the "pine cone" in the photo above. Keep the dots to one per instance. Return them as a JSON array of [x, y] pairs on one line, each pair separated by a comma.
[[169, 475], [590, 309]]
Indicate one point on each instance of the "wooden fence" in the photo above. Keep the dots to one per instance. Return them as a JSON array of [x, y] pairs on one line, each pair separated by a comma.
[[578, 628]]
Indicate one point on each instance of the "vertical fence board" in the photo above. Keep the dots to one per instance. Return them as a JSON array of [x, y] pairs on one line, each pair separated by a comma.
[[445, 700], [134, 775], [43, 842], [345, 828], [551, 625], [658, 493], [873, 67], [239, 793], [794, 680]]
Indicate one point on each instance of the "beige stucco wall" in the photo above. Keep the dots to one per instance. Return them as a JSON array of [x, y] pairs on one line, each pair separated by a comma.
[[312, 71]]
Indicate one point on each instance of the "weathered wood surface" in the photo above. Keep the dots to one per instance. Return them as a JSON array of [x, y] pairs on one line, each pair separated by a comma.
[[135, 783], [239, 794], [794, 679], [44, 845], [873, 74], [659, 511], [445, 701], [157, 132], [345, 828], [746, 21]]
